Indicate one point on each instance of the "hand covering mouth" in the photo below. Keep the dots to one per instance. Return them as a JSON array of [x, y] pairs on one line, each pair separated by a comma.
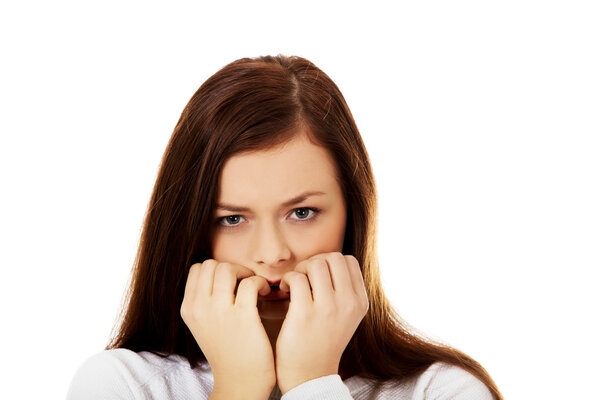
[[276, 293]]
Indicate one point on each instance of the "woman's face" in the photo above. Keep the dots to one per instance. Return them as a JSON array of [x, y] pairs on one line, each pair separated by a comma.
[[276, 208]]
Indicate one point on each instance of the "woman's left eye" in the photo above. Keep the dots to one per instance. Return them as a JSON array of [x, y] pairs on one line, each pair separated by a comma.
[[305, 213]]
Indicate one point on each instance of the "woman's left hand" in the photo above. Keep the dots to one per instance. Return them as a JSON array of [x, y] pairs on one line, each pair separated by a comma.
[[319, 325]]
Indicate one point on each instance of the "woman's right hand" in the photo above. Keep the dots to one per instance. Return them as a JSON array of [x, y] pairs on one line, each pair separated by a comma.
[[227, 327]]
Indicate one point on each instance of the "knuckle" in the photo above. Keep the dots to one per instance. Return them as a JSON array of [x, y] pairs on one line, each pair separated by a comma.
[[319, 256], [195, 269], [196, 266], [301, 266], [183, 311], [314, 257], [208, 262], [296, 278], [350, 259], [338, 259], [353, 308], [334, 255], [189, 313], [248, 282], [223, 268], [362, 305], [366, 306], [316, 264]]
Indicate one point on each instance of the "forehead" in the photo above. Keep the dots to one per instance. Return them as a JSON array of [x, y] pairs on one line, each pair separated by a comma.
[[277, 174]]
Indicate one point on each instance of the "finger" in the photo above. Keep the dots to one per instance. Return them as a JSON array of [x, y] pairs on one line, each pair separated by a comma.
[[190, 292], [197, 286], [205, 276], [296, 284], [324, 283], [356, 276], [226, 277], [320, 280], [340, 274], [192, 280], [249, 289]]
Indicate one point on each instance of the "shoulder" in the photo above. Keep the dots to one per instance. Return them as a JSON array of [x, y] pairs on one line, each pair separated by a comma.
[[440, 381], [125, 374], [446, 381]]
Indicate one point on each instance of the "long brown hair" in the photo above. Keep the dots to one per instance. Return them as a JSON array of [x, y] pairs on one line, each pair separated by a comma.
[[253, 104]]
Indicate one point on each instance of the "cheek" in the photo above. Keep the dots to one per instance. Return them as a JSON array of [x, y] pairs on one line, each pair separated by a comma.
[[329, 237], [227, 248], [336, 230]]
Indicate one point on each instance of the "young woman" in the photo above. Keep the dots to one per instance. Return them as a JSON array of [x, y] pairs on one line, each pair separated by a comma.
[[256, 276]]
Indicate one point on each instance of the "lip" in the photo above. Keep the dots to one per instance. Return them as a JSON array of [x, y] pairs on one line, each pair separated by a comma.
[[276, 294], [274, 283]]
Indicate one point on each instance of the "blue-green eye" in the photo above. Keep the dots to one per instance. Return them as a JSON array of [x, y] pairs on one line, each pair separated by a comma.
[[230, 220], [305, 213]]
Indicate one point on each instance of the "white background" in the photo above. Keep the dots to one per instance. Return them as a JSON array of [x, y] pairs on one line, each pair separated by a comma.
[[482, 120]]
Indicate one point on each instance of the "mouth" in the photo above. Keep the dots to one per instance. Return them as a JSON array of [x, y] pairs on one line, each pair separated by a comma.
[[276, 293], [274, 284]]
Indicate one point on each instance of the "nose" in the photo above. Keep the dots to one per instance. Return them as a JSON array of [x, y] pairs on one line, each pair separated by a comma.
[[270, 247]]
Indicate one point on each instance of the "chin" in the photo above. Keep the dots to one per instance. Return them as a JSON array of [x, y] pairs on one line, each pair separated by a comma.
[[273, 309]]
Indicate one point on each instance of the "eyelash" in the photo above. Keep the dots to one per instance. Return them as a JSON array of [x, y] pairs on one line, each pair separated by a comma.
[[315, 211]]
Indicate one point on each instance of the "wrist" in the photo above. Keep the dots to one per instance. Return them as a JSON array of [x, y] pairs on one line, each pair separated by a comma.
[[236, 392], [288, 383], [235, 388]]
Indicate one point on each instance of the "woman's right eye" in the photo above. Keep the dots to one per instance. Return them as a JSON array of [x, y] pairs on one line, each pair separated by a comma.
[[230, 220]]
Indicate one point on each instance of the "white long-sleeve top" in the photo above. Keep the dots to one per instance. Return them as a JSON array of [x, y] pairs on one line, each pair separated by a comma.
[[126, 375]]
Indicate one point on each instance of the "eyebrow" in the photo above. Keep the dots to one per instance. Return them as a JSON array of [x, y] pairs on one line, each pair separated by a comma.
[[298, 199]]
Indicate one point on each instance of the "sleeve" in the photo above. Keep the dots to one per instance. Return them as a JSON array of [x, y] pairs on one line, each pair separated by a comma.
[[100, 377], [330, 387], [444, 381]]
